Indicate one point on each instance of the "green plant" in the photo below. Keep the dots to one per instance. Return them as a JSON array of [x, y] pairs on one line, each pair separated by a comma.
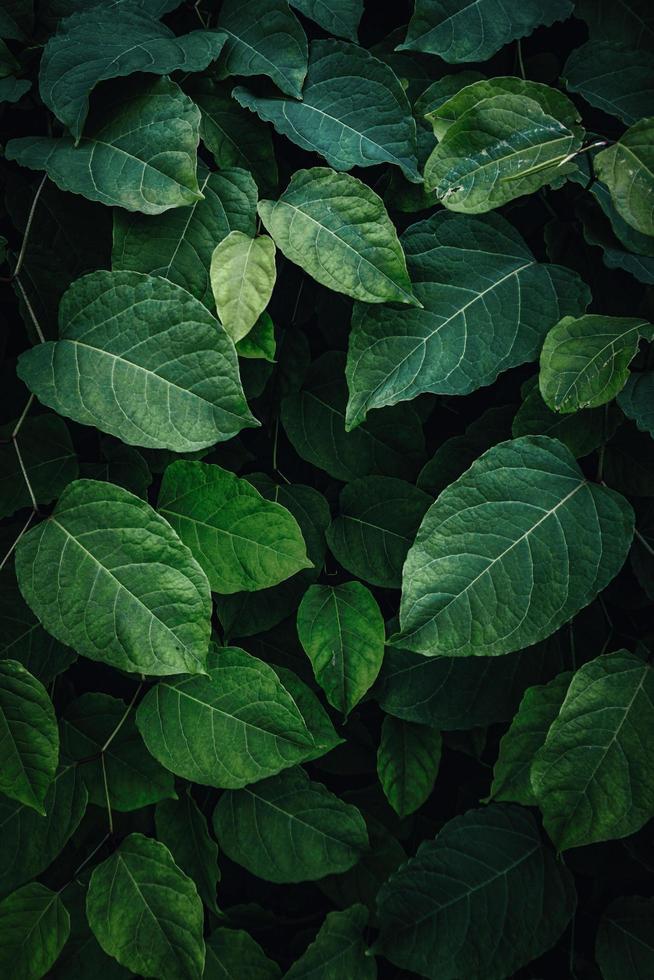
[[327, 553]]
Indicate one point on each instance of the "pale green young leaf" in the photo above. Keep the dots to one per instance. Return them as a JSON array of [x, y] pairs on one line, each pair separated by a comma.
[[342, 632], [627, 169], [106, 575], [336, 228], [48, 456], [242, 541], [585, 362], [146, 913], [625, 937], [509, 552], [592, 778], [34, 925], [233, 953], [29, 738], [242, 277], [637, 400], [339, 950], [289, 829], [167, 379], [613, 77], [182, 827], [407, 763]]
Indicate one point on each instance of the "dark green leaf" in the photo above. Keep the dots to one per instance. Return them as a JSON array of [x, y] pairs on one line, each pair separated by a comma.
[[232, 954], [34, 926], [613, 78], [624, 948], [407, 763], [182, 827], [48, 456], [339, 949]]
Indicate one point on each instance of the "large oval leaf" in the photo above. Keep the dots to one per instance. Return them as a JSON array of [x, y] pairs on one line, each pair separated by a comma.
[[109, 577], [510, 551], [627, 169], [167, 379]]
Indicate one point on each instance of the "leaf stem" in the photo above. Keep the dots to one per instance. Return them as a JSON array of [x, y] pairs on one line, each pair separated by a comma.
[[106, 794], [13, 547], [26, 235], [122, 720]]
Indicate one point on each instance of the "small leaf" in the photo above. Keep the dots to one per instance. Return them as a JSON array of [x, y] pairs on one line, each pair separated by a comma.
[[627, 169], [242, 279], [182, 827], [289, 829], [146, 913], [624, 949], [29, 738], [49, 459], [34, 925], [233, 954], [342, 632], [338, 17], [407, 763], [637, 400], [339, 949]]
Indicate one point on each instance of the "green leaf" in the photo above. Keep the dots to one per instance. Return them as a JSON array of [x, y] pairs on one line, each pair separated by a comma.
[[264, 38], [182, 827], [525, 736], [487, 306], [338, 17], [456, 454], [581, 432], [242, 279], [242, 541], [138, 151], [317, 720], [228, 729], [627, 169], [630, 21], [407, 763], [29, 738], [637, 400], [165, 380], [123, 465], [500, 149], [585, 362], [12, 89], [125, 591], [612, 77], [509, 552], [49, 459], [82, 958], [354, 111], [289, 829], [482, 900], [233, 954], [178, 245], [624, 948], [336, 228], [390, 443], [98, 733], [592, 778], [234, 136], [342, 632], [458, 30], [146, 913], [30, 842], [377, 521], [109, 42], [339, 949], [259, 343], [34, 925]]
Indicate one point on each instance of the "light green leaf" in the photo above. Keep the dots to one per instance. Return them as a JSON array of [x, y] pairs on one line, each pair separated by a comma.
[[182, 827], [525, 736], [48, 456], [612, 77], [581, 432], [98, 733], [146, 913], [630, 21], [167, 379], [34, 925], [354, 111], [99, 43], [593, 778], [390, 443], [339, 949], [482, 900], [624, 949], [637, 400], [233, 954], [264, 38], [487, 306], [234, 136], [627, 169], [178, 245], [228, 729], [377, 521], [30, 842], [498, 150], [259, 343], [338, 17], [242, 279], [585, 362], [342, 632], [407, 763], [109, 577], [138, 151], [336, 228], [509, 552], [289, 829], [458, 30], [242, 541], [29, 738]]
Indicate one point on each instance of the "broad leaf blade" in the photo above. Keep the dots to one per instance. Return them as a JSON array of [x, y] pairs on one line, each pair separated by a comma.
[[242, 279], [627, 169], [34, 925]]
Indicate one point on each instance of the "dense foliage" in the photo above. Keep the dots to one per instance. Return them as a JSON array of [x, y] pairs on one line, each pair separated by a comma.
[[327, 490]]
